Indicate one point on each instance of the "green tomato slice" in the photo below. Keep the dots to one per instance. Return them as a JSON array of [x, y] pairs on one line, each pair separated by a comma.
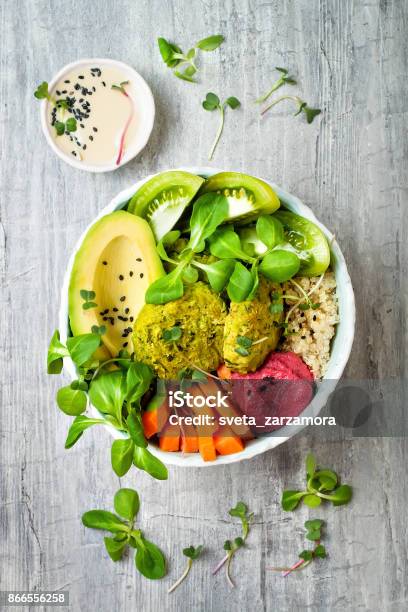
[[248, 197], [163, 199], [308, 241]]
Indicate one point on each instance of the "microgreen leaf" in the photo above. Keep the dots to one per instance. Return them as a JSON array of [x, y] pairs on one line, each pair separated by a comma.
[[114, 548], [233, 102], [42, 91], [320, 551], [70, 401], [218, 273], [144, 460], [240, 511], [210, 43], [282, 80], [56, 353], [240, 283], [193, 553], [102, 519], [126, 503], [244, 341], [291, 499], [211, 103], [71, 125], [149, 559], [306, 555], [122, 456], [59, 128], [312, 501], [172, 334], [79, 425]]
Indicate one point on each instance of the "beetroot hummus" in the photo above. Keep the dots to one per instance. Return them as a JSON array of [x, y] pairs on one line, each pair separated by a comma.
[[282, 387]]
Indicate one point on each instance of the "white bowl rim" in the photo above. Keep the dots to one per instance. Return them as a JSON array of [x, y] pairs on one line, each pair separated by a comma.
[[137, 146], [334, 370]]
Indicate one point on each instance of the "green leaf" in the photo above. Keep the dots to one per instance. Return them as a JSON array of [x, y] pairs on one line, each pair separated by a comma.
[[87, 295], [341, 496], [244, 341], [314, 524], [310, 465], [212, 99], [279, 265], [126, 503], [306, 555], [240, 283], [320, 551], [218, 273], [172, 334], [190, 274], [240, 510], [59, 128], [171, 237], [242, 351], [56, 352], [233, 102], [144, 460], [210, 43], [122, 456], [166, 289], [114, 548], [81, 348], [102, 519], [138, 380], [89, 305], [209, 211], [167, 51], [226, 244], [314, 535], [270, 231], [77, 428], [184, 76], [71, 125], [276, 308], [42, 91], [290, 499], [310, 113], [107, 393], [193, 553], [150, 560], [312, 501], [135, 429], [70, 401]]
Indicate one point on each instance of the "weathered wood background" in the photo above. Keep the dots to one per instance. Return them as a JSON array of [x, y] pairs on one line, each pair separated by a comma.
[[350, 166]]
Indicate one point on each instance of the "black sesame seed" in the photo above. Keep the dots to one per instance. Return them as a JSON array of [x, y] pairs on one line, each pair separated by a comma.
[[131, 319], [303, 337], [77, 86], [124, 335], [129, 329], [67, 81], [131, 273], [73, 153], [103, 83], [105, 263], [91, 138], [115, 309], [125, 344], [141, 275], [121, 277], [127, 310], [314, 317], [121, 318], [138, 259], [123, 298], [81, 76], [93, 88], [64, 91], [105, 318], [84, 147], [95, 129], [58, 93]]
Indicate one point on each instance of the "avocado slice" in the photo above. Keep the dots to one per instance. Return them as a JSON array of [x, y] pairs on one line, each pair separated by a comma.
[[248, 196], [163, 199], [117, 261]]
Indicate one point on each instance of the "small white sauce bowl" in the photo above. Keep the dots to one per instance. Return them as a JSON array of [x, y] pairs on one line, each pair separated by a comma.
[[340, 349], [143, 99]]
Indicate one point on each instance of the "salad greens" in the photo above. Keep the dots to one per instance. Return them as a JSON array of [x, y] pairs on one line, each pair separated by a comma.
[[149, 559], [230, 271], [211, 103], [240, 511], [313, 528], [116, 395], [183, 64], [320, 485], [192, 555], [60, 105]]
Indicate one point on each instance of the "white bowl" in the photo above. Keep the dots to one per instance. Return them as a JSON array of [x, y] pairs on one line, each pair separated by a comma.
[[341, 345], [143, 99]]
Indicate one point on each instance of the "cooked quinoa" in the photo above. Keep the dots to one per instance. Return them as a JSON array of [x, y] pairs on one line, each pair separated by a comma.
[[313, 328]]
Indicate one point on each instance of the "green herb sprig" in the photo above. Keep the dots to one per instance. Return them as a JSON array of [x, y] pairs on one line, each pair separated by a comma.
[[88, 297], [282, 80], [320, 485], [183, 64], [192, 555], [149, 559], [212, 103], [302, 107], [314, 533], [61, 105], [116, 395], [240, 511]]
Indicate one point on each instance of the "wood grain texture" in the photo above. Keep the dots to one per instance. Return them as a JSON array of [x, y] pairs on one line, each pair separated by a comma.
[[350, 166]]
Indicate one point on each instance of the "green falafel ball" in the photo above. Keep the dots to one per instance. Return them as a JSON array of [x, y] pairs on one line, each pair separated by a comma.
[[200, 317]]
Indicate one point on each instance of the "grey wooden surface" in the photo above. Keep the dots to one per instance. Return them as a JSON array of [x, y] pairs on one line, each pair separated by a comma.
[[350, 166]]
